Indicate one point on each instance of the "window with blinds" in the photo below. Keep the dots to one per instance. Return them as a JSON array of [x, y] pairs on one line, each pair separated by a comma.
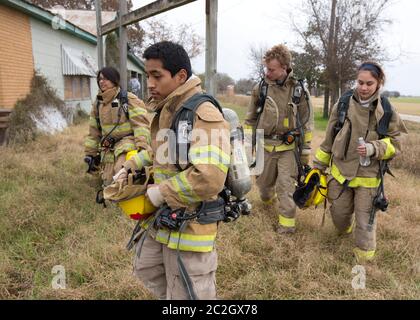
[[76, 88]]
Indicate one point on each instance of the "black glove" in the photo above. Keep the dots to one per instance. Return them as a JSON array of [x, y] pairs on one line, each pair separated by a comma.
[[93, 163]]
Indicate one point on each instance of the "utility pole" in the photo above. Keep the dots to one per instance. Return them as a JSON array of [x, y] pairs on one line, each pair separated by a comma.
[[123, 45], [100, 47], [211, 46], [330, 57]]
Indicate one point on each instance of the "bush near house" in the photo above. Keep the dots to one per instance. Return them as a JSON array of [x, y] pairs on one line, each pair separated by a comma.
[[22, 125]]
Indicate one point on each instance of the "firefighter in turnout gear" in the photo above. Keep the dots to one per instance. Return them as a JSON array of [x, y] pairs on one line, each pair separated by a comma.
[[118, 124], [355, 188], [280, 105], [181, 187]]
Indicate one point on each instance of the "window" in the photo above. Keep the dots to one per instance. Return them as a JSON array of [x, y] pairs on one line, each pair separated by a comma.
[[76, 88]]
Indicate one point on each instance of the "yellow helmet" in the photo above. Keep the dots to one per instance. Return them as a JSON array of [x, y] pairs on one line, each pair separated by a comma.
[[139, 207], [313, 191]]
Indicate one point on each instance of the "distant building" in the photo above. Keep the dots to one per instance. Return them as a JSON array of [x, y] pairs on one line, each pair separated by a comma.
[[230, 90]]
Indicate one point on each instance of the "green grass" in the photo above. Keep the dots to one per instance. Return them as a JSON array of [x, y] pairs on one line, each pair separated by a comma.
[[241, 111], [406, 100], [320, 122]]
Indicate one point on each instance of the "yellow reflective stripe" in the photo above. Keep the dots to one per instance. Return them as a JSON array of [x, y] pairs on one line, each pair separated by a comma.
[[364, 255], [143, 132], [91, 143], [162, 236], [210, 155], [286, 122], [142, 159], [279, 148], [350, 229], [123, 127], [323, 157], [184, 189], [287, 222], [390, 149], [164, 171], [192, 242], [356, 182], [126, 147], [135, 112], [108, 158], [212, 161], [160, 175], [93, 123], [208, 151], [308, 136], [247, 127]]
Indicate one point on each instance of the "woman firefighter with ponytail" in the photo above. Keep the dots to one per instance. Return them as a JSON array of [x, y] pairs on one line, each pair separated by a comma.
[[118, 124], [364, 133]]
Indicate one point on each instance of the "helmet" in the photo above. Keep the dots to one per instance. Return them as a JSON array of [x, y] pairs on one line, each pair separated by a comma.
[[137, 207], [313, 191]]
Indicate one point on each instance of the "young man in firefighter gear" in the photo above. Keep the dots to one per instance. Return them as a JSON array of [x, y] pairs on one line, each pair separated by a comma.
[[281, 107], [114, 128], [171, 83], [352, 185]]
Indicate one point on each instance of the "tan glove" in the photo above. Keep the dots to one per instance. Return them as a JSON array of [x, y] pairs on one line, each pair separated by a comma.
[[305, 157], [320, 167], [120, 175], [370, 150], [155, 196]]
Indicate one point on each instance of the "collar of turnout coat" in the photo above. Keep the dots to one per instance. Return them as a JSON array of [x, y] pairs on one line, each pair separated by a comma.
[[108, 95], [289, 81]]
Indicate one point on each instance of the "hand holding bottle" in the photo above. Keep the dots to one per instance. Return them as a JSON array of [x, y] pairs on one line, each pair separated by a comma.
[[362, 151]]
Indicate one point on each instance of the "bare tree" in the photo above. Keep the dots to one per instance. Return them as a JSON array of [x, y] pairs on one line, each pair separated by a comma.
[[307, 66], [223, 80], [256, 57], [342, 33], [157, 30], [244, 86]]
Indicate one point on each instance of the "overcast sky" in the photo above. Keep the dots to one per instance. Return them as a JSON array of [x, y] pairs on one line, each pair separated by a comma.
[[242, 23]]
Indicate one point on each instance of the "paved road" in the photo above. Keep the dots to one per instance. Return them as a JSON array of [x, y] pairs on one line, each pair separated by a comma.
[[408, 117]]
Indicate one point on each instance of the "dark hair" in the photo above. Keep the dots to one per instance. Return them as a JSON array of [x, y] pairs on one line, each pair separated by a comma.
[[375, 69], [109, 73], [173, 56]]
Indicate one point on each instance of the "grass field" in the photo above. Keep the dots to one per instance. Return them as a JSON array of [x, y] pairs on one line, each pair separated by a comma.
[[409, 106], [48, 217]]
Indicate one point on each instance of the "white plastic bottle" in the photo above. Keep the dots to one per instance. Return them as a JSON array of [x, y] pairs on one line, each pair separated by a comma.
[[364, 161]]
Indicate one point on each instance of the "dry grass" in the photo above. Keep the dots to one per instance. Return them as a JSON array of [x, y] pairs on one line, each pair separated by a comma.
[[48, 217], [238, 100], [404, 106]]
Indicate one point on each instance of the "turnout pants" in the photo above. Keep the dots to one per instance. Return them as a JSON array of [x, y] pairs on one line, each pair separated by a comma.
[[279, 180], [353, 206], [156, 266]]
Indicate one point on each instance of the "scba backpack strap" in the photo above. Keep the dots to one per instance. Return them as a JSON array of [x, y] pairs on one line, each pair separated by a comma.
[[183, 124], [343, 107], [123, 98]]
